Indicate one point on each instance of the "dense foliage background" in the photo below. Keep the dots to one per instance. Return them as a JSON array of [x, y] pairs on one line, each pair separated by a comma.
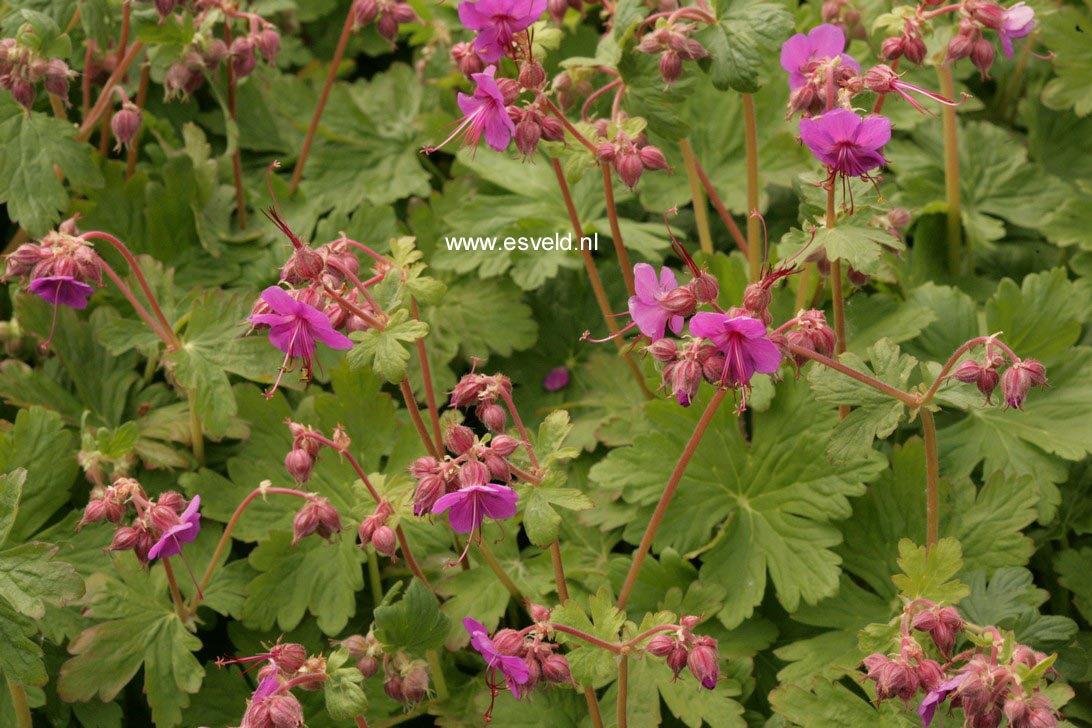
[[786, 528]]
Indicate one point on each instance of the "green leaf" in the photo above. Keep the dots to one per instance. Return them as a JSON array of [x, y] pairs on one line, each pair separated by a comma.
[[382, 349], [1010, 600], [212, 348], [312, 576], [20, 653], [30, 578], [39, 444], [473, 593], [1074, 575], [590, 665], [415, 623], [1065, 33], [749, 508], [746, 34], [650, 678], [345, 698], [874, 414], [140, 627], [30, 145], [1041, 318], [928, 573], [861, 246], [819, 704], [540, 520]]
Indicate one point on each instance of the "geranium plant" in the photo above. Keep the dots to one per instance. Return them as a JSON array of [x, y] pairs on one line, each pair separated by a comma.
[[324, 406]]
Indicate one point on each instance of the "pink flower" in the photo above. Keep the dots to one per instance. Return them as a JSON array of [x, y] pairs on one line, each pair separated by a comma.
[[170, 543], [62, 290], [556, 379], [929, 705], [497, 22], [471, 504], [845, 142], [744, 343], [800, 53], [295, 326], [486, 112], [513, 668], [1018, 23], [646, 307]]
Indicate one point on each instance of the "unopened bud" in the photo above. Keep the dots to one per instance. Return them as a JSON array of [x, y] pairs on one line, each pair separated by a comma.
[[299, 463], [509, 89], [676, 659], [1019, 378], [982, 56], [629, 167], [653, 158], [705, 287], [284, 711], [364, 12], [459, 439], [555, 668], [368, 666], [660, 645], [959, 47], [703, 662], [318, 517], [269, 43], [679, 301], [532, 75], [670, 66], [503, 445], [473, 472], [243, 57], [892, 48], [685, 380], [914, 50], [508, 642], [429, 490], [493, 417], [663, 350]]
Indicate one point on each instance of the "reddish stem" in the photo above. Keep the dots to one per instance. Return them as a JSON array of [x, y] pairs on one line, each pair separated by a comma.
[[141, 99], [324, 96], [668, 494], [616, 230], [166, 337], [426, 376], [565, 122], [415, 415], [237, 156], [725, 215], [91, 119]]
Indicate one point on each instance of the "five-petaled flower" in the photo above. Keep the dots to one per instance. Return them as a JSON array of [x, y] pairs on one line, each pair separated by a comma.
[[743, 340], [646, 307], [170, 542], [513, 668], [484, 112], [846, 143], [294, 328], [929, 705], [62, 291], [801, 53], [497, 22], [472, 503]]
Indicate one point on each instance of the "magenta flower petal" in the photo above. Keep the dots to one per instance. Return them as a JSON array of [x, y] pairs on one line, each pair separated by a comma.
[[170, 543], [513, 668], [743, 340], [497, 22], [469, 506], [62, 291], [644, 306], [644, 281], [557, 379], [929, 704], [873, 132], [845, 142], [826, 40]]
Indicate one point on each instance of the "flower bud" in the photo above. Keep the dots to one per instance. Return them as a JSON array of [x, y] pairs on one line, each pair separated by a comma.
[[1019, 378], [216, 52], [508, 642], [392, 686], [423, 466], [679, 301], [685, 380], [914, 50], [269, 43], [493, 417], [856, 277], [605, 152], [56, 78], [368, 666], [552, 129], [498, 467], [415, 682], [385, 541], [288, 656], [670, 66], [663, 350], [705, 287], [528, 133], [284, 711], [892, 48], [653, 158], [26, 256], [930, 674], [959, 47], [162, 517], [459, 439], [677, 658], [317, 516], [467, 59], [22, 91], [661, 645], [629, 167], [429, 490], [298, 462], [982, 56], [532, 75], [243, 57], [356, 644], [473, 472], [509, 89], [988, 14], [712, 363], [756, 298], [364, 12], [503, 445], [555, 668], [165, 7], [703, 662], [125, 538], [304, 265]]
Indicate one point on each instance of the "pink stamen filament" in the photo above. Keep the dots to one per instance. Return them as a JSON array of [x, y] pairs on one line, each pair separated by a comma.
[[472, 124]]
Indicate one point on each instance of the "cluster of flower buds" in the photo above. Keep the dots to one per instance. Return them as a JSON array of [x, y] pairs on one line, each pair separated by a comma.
[[156, 528], [21, 68], [1016, 381], [686, 365], [674, 45], [472, 462], [467, 59], [405, 680], [303, 455], [317, 516], [630, 157], [902, 674], [683, 649], [909, 44], [61, 268], [205, 52], [286, 667], [977, 16], [558, 8], [846, 16], [166, 7], [894, 222], [483, 392], [365, 650], [570, 85], [982, 680], [375, 531], [388, 15], [809, 330], [534, 125]]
